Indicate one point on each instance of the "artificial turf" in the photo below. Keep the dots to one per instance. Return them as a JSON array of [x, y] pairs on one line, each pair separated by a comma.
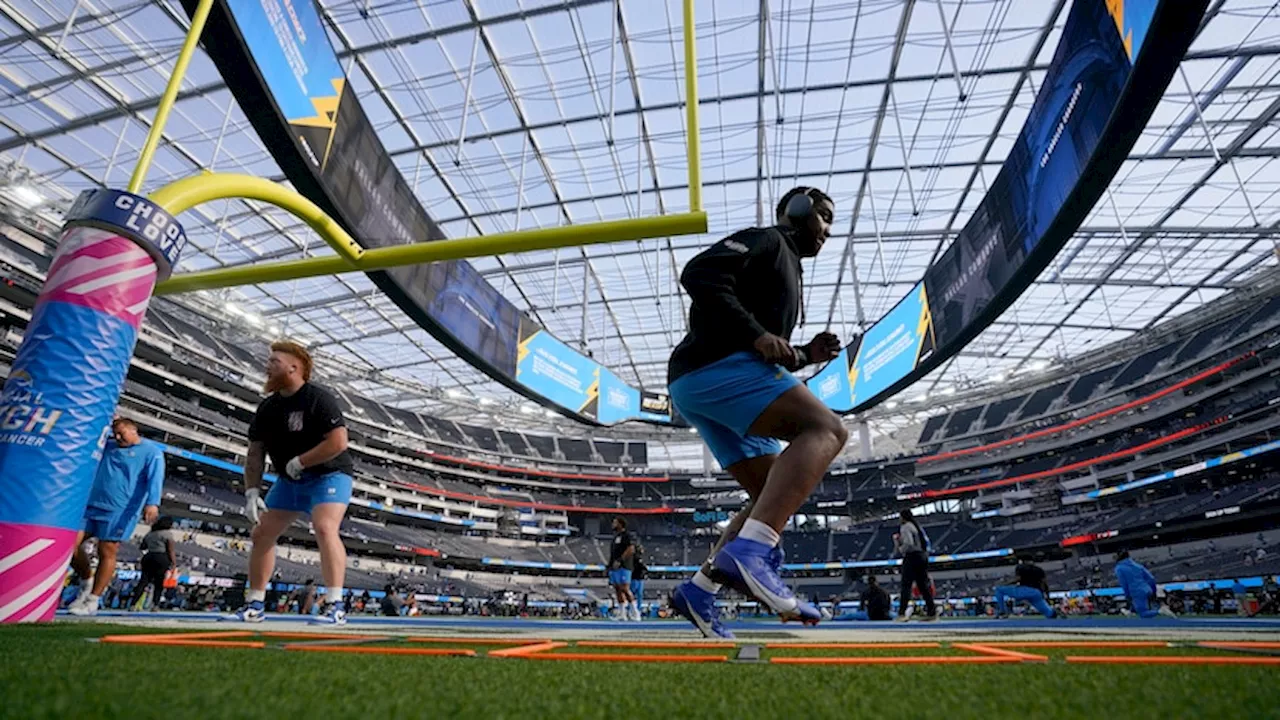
[[51, 671]]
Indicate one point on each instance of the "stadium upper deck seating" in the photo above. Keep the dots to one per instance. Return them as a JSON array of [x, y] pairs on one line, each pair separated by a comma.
[[1175, 357]]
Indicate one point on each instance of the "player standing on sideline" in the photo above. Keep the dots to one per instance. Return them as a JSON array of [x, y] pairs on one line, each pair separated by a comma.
[[1139, 586], [1031, 585], [621, 556], [730, 378], [300, 427], [638, 570], [912, 543], [128, 484]]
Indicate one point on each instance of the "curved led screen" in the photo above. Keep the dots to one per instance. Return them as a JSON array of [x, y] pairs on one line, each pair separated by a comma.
[[1110, 68], [278, 62]]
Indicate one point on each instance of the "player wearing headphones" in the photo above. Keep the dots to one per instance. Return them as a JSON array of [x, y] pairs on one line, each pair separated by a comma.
[[730, 378]]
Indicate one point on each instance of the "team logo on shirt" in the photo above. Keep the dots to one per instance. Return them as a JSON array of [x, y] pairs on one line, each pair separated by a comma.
[[295, 421]]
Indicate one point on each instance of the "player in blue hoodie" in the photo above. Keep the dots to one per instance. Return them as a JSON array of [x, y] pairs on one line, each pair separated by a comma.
[[1139, 586]]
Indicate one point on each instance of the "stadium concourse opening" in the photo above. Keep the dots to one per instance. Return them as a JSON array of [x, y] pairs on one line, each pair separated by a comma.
[[639, 357]]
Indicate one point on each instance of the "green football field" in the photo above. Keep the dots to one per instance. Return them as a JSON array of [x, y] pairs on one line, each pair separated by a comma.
[[52, 671]]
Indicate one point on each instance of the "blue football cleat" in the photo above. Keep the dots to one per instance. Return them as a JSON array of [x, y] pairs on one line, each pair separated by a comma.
[[699, 607], [254, 612], [753, 567], [330, 614], [804, 612], [777, 556]]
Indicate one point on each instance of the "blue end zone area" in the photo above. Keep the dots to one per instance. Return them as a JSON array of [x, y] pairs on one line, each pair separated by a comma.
[[989, 625]]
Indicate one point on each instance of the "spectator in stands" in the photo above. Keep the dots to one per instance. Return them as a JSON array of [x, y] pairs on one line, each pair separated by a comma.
[[621, 559], [913, 545], [1030, 585], [1139, 587], [300, 427], [729, 378], [157, 561], [127, 485]]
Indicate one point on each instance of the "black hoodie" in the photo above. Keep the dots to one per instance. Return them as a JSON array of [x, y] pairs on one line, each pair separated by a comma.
[[744, 286]]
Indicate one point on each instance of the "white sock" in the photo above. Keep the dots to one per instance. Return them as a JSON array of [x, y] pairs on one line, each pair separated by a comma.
[[86, 585], [91, 599], [635, 607], [703, 582], [759, 532], [333, 594], [255, 596]]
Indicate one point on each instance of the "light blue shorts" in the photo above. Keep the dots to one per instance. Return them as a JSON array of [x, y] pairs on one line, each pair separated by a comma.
[[724, 398], [621, 576], [334, 487], [111, 528]]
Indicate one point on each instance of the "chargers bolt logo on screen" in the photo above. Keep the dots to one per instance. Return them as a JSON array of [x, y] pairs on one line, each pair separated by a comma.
[[23, 418]]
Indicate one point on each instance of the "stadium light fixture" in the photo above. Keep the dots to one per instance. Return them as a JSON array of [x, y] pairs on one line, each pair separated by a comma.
[[27, 196], [454, 393]]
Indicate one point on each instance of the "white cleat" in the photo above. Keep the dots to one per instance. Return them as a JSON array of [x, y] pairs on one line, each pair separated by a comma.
[[83, 609]]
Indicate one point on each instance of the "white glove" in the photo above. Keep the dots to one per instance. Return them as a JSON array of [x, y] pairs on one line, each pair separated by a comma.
[[254, 505], [294, 469]]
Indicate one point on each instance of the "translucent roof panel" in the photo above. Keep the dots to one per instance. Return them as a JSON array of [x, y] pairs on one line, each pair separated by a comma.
[[506, 114]]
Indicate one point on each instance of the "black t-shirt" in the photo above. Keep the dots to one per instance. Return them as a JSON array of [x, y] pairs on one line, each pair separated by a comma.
[[391, 603], [638, 568], [744, 286], [290, 426], [1030, 576], [875, 602], [621, 541]]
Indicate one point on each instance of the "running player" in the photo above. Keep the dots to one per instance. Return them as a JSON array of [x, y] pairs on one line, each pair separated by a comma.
[[621, 556], [128, 484], [300, 427], [1139, 586], [1031, 585], [730, 378], [638, 570]]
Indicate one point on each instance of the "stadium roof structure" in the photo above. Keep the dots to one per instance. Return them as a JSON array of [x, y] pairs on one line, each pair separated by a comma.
[[511, 114]]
